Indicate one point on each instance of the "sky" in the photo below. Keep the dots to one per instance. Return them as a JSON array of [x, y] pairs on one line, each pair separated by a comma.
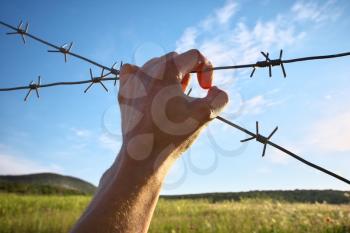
[[77, 134]]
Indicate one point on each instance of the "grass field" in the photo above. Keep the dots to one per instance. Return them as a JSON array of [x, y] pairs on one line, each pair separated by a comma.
[[51, 214]]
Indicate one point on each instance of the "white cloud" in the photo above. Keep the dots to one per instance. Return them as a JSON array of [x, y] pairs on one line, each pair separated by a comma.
[[81, 133], [220, 16], [227, 43], [276, 156], [263, 170], [224, 14], [82, 138], [257, 105], [331, 133], [187, 40], [315, 11], [110, 142], [14, 165]]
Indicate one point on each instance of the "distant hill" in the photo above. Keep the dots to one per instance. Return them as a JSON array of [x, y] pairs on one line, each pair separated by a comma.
[[50, 183], [309, 196], [45, 183]]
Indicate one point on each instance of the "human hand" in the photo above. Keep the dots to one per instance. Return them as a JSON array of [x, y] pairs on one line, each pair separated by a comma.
[[158, 120], [158, 123]]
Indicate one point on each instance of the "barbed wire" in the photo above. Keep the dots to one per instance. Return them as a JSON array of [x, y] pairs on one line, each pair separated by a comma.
[[66, 50], [62, 49], [266, 141]]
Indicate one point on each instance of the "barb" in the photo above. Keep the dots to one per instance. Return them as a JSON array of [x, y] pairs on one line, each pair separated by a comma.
[[189, 92], [260, 138], [65, 49], [266, 141], [270, 63], [34, 86], [20, 31], [96, 80]]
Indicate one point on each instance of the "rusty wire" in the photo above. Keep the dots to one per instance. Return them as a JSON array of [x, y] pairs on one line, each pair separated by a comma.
[[66, 50]]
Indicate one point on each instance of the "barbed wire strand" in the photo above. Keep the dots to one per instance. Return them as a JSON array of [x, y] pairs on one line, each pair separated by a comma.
[[260, 64], [301, 59], [267, 141], [23, 33], [267, 63]]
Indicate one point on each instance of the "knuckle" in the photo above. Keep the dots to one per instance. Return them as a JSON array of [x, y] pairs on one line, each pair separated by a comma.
[[120, 98], [171, 55], [202, 111], [194, 51], [127, 68], [225, 97]]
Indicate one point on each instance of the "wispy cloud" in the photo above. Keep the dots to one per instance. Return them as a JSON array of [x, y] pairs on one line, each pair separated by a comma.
[[225, 41], [316, 11], [263, 170], [187, 40], [331, 133], [278, 157], [84, 137], [14, 165], [81, 133], [258, 104], [110, 142], [220, 16]]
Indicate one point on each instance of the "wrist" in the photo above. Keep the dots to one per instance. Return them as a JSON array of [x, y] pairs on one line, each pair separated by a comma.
[[135, 171]]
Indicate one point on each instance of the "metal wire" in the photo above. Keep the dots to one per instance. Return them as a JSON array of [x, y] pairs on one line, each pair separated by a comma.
[[266, 140], [61, 49], [66, 49], [56, 84], [301, 59]]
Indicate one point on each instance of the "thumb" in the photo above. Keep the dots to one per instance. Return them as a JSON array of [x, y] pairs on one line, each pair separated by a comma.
[[209, 107]]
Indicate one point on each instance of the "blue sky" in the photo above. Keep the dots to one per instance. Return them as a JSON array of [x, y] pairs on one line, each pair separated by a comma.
[[73, 133]]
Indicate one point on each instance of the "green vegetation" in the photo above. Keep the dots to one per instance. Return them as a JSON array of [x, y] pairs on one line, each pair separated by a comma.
[[299, 196], [45, 183], [54, 184], [39, 214], [22, 188]]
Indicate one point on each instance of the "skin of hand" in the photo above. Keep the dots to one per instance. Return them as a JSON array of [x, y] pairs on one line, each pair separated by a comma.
[[159, 122]]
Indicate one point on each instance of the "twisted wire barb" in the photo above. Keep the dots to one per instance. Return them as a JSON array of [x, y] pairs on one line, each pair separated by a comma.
[[66, 50]]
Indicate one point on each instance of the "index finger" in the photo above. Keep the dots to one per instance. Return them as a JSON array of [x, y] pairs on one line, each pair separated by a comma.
[[194, 61]]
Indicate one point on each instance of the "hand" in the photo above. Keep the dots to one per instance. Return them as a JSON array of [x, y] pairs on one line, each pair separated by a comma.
[[158, 120], [158, 123]]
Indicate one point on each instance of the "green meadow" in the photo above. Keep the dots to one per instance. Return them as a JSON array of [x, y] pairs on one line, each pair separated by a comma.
[[51, 214]]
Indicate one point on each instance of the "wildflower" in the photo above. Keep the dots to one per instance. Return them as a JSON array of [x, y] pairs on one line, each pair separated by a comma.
[[328, 220]]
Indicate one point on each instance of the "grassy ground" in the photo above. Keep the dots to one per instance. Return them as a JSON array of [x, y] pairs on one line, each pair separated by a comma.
[[53, 214]]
